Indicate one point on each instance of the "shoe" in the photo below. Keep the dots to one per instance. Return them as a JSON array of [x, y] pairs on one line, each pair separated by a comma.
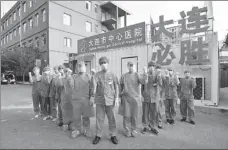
[[183, 119], [60, 124], [154, 131], [114, 140], [167, 121], [65, 127], [134, 133], [160, 127], [192, 122], [36, 116], [96, 140], [51, 117], [87, 133], [54, 119], [127, 134], [75, 133], [172, 122], [46, 118], [144, 130]]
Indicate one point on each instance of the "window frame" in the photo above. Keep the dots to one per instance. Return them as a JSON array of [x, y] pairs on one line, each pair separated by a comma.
[[44, 15], [90, 26], [30, 23], [96, 8], [65, 42], [24, 7], [89, 5], [65, 22]]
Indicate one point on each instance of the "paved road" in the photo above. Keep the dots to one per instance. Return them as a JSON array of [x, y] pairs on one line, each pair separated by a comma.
[[20, 130]]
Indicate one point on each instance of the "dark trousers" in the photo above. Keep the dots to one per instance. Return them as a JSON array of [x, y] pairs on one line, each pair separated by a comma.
[[54, 106], [46, 106], [101, 110], [60, 114], [187, 107], [37, 103], [170, 111], [149, 117]]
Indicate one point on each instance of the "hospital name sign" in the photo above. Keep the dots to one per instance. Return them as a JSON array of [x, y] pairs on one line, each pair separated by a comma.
[[127, 36]]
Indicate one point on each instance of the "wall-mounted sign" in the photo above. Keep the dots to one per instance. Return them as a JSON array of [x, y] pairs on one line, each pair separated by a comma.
[[192, 51], [127, 36]]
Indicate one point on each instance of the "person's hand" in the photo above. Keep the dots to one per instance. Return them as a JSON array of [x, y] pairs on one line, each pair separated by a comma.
[[91, 101], [116, 102], [144, 70]]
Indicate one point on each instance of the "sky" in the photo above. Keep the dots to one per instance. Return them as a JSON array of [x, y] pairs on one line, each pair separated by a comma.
[[142, 10]]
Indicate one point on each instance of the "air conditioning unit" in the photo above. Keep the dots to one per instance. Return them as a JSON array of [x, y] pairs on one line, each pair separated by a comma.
[[200, 91]]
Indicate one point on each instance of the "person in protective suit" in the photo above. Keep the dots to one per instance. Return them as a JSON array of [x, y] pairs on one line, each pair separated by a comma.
[[187, 85], [36, 90], [171, 96], [67, 84], [130, 97], [82, 102], [151, 96]]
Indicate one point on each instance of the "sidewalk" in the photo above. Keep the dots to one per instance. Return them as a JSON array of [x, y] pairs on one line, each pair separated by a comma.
[[19, 130]]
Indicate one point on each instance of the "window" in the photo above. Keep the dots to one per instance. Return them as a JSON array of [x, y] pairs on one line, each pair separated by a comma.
[[4, 40], [7, 22], [24, 6], [88, 26], [14, 16], [67, 42], [36, 19], [30, 43], [19, 11], [10, 34], [24, 44], [66, 19], [30, 3], [3, 26], [15, 32], [96, 8], [7, 38], [88, 5], [31, 23], [37, 42], [96, 28], [44, 15], [11, 19], [19, 30], [24, 26], [44, 39]]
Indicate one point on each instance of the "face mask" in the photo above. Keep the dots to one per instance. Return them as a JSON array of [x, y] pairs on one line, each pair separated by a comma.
[[104, 66]]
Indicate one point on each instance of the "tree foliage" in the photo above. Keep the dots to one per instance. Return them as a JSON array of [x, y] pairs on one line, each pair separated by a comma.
[[225, 43], [20, 59]]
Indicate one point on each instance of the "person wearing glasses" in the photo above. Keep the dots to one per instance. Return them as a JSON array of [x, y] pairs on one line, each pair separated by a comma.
[[130, 97], [106, 97]]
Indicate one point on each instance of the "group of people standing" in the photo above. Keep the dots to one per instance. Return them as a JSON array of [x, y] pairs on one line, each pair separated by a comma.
[[69, 99]]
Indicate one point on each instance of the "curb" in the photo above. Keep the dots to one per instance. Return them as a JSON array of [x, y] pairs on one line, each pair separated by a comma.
[[211, 110], [26, 83]]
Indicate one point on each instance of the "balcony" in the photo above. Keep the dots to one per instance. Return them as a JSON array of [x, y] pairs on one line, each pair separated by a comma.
[[108, 20], [110, 15]]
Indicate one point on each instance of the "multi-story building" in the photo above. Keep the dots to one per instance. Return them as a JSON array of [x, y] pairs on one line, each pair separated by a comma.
[[55, 26]]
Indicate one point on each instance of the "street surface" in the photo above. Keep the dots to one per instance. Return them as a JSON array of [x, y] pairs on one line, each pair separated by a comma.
[[20, 130]]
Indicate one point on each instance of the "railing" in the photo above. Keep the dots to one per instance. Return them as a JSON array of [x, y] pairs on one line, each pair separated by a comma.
[[106, 16]]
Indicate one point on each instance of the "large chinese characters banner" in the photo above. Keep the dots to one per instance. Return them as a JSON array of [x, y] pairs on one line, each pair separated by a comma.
[[193, 49], [127, 36]]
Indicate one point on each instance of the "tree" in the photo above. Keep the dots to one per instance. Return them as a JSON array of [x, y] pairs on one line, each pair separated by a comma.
[[225, 43], [21, 59]]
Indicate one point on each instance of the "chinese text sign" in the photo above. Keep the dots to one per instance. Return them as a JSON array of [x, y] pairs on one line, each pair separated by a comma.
[[127, 36]]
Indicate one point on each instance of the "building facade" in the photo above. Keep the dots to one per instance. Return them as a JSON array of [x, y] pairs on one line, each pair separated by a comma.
[[55, 26]]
